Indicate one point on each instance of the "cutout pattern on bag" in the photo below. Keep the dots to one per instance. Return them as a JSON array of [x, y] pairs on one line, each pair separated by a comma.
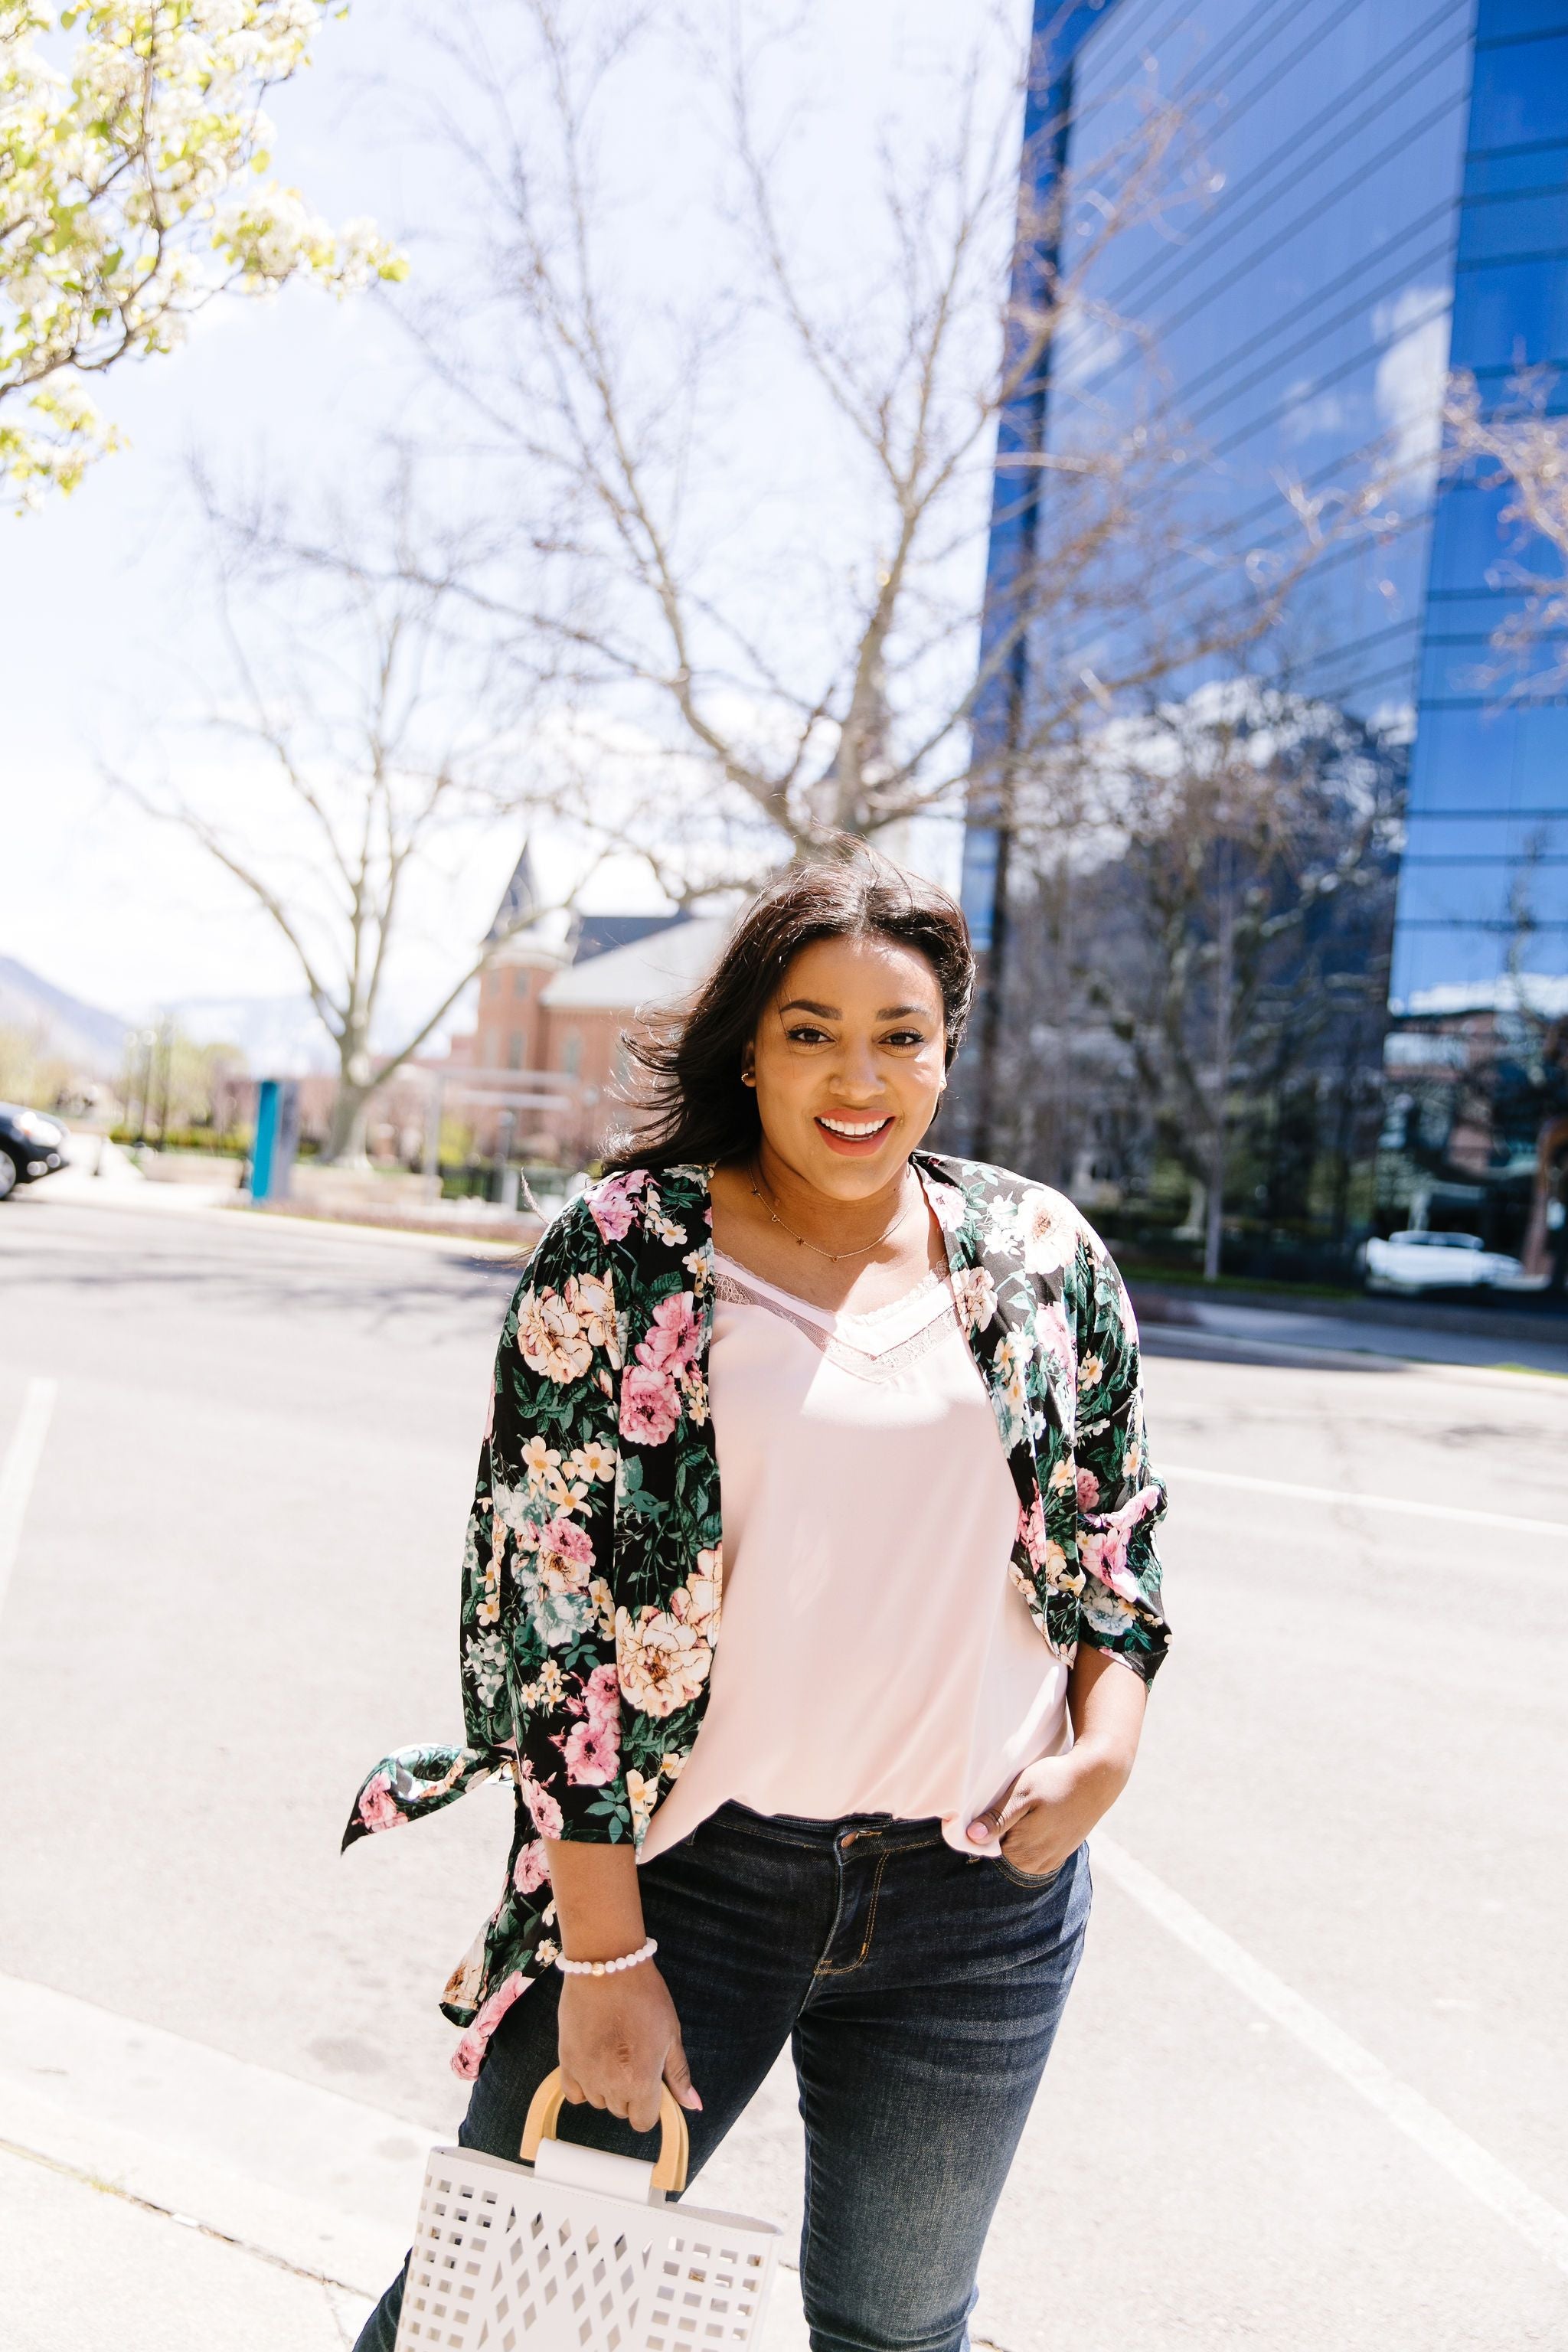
[[504, 2262]]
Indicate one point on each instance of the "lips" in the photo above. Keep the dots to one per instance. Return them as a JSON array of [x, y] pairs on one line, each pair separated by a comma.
[[856, 1137]]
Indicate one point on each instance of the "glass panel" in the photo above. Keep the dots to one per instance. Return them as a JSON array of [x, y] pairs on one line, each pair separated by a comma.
[[1463, 759], [1499, 19], [1540, 755], [1512, 227], [1511, 313], [1301, 313], [1435, 841], [1450, 963], [1521, 92], [1539, 167], [1468, 535], [1448, 895], [1458, 667]]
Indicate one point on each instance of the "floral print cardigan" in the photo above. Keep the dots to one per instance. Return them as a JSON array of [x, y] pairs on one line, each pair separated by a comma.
[[593, 1567]]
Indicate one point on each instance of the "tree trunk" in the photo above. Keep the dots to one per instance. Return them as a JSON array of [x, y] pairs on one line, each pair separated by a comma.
[[345, 1136], [1192, 1225], [1214, 1227], [1225, 981], [986, 1081]]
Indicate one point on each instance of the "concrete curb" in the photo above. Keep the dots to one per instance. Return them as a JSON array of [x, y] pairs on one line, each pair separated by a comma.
[[317, 2182]]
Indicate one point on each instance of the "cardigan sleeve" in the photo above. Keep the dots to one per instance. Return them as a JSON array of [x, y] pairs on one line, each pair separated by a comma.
[[538, 1613], [1120, 1499]]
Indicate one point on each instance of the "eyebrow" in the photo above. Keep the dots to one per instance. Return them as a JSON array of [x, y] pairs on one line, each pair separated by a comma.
[[832, 1012]]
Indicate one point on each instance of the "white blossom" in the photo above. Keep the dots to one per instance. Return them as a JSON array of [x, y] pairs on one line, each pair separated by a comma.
[[134, 188]]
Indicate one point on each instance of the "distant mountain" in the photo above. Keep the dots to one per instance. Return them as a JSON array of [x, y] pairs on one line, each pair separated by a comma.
[[279, 1036], [62, 1024]]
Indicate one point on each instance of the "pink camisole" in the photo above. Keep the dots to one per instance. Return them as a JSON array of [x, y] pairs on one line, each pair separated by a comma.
[[875, 1655]]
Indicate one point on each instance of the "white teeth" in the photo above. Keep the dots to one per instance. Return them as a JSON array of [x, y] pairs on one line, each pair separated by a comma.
[[852, 1128]]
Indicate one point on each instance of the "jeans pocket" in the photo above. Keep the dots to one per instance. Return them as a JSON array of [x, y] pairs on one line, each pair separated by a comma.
[[1037, 1882]]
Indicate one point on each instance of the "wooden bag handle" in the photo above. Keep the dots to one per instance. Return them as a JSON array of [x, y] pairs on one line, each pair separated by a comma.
[[674, 2146]]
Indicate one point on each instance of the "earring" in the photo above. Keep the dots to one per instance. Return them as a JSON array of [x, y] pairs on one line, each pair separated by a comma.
[[748, 1077]]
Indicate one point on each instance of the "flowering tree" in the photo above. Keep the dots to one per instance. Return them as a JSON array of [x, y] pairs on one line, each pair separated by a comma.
[[133, 191]]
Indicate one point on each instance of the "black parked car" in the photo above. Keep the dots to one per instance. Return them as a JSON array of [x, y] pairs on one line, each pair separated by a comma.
[[32, 1144]]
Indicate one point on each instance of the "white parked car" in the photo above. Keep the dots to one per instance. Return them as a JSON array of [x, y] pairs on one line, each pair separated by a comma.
[[1439, 1262]]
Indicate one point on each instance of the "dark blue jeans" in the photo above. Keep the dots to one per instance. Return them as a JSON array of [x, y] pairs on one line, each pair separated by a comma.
[[922, 1991]]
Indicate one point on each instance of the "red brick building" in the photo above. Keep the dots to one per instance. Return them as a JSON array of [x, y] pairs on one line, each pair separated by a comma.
[[542, 1073]]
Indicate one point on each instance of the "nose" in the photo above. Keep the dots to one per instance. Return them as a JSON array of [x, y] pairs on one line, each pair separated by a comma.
[[856, 1077]]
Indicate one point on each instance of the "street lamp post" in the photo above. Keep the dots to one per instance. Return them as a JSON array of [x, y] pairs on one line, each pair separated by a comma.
[[505, 1127]]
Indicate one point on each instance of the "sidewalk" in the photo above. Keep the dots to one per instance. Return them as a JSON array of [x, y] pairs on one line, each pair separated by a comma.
[[101, 1173], [1324, 1332], [160, 2196], [85, 2270]]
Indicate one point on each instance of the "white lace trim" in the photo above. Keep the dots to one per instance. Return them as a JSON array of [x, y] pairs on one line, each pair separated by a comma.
[[829, 1337], [832, 1317]]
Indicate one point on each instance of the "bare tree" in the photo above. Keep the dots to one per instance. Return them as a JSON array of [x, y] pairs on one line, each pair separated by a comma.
[[360, 736], [1519, 446], [1216, 886], [772, 625]]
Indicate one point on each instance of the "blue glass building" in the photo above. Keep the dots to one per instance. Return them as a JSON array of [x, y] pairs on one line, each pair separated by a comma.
[[1388, 199]]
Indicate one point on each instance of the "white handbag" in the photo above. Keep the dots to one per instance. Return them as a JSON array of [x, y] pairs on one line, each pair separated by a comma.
[[581, 2253]]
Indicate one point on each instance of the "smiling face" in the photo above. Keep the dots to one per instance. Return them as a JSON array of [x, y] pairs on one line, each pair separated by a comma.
[[849, 1062]]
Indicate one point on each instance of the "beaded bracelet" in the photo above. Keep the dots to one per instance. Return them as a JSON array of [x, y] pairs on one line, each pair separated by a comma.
[[606, 1967]]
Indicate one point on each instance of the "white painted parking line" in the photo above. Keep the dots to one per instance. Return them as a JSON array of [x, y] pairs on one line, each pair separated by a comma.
[[1500, 2190], [1494, 1520], [20, 1468]]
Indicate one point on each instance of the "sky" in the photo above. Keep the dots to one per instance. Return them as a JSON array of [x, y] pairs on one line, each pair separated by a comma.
[[107, 639]]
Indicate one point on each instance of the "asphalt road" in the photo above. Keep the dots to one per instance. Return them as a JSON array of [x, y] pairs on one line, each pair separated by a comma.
[[1311, 2086]]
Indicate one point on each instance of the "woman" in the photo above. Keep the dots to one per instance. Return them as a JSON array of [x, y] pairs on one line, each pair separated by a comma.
[[884, 1407]]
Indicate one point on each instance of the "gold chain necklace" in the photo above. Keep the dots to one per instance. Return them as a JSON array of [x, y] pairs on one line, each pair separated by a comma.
[[800, 1239]]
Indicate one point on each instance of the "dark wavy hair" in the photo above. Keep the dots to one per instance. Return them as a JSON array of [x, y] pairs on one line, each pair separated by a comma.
[[693, 1104]]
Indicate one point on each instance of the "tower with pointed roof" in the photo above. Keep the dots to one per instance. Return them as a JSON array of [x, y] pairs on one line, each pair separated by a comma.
[[520, 901]]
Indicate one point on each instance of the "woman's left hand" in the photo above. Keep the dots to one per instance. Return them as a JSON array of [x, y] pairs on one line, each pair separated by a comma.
[[1051, 1808]]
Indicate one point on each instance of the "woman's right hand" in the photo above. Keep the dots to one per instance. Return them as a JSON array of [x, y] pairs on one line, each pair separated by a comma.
[[620, 2038]]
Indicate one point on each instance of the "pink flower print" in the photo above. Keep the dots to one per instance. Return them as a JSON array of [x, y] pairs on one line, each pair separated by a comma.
[[1032, 1531], [1053, 1338], [610, 1204], [1104, 1555], [565, 1554], [673, 1337], [1087, 1490], [946, 1203], [601, 1695], [593, 1747], [975, 1288], [593, 1752], [378, 1808], [470, 2053], [542, 1808], [499, 2001], [650, 1406], [532, 1868]]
